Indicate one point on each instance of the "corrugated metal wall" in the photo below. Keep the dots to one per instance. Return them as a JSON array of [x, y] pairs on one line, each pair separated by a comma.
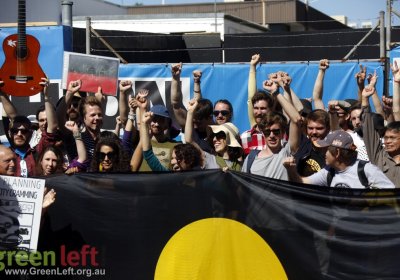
[[276, 11]]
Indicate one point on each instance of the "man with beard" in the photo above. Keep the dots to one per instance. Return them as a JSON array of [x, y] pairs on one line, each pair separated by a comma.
[[20, 133], [254, 139], [68, 110], [159, 126], [258, 105]]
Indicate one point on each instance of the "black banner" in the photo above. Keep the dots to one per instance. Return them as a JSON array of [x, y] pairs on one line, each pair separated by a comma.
[[122, 222]]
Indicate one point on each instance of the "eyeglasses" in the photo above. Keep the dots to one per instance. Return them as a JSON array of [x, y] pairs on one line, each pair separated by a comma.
[[16, 130], [267, 132], [391, 138], [109, 155], [222, 112]]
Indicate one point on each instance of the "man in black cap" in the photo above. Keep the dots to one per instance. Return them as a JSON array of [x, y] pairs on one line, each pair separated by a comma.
[[342, 166]]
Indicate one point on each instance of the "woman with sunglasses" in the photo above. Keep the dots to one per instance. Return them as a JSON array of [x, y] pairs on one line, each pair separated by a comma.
[[228, 153], [109, 155]]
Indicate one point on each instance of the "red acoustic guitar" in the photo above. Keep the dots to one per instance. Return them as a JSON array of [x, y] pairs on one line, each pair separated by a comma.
[[21, 72]]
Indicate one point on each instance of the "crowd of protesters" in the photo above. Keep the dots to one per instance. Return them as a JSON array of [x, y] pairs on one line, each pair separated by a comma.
[[289, 138]]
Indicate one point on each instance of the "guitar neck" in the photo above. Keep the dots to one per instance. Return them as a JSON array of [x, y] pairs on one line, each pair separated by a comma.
[[21, 46]]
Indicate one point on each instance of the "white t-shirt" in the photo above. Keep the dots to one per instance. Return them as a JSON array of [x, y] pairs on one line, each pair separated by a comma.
[[348, 178], [270, 166]]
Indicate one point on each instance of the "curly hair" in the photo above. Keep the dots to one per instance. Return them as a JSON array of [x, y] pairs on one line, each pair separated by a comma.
[[120, 162], [189, 154], [59, 155]]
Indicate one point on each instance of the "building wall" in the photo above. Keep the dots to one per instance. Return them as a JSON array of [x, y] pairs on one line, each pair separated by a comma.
[[275, 11], [50, 10]]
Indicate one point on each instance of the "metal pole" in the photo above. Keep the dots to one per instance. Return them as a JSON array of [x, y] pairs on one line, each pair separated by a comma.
[[88, 26], [389, 24], [66, 13], [359, 43], [264, 20], [382, 47], [215, 15]]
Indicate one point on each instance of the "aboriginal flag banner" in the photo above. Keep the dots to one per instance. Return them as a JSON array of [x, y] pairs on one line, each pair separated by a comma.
[[215, 225]]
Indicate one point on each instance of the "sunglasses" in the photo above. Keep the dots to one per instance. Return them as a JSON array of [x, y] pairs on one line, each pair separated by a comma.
[[222, 112], [16, 130], [102, 156], [267, 132], [75, 103], [219, 135]]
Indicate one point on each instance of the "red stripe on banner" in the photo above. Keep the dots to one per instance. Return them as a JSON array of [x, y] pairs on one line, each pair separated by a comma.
[[90, 82]]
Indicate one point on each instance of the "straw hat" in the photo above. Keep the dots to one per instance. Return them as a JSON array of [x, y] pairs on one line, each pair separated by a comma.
[[231, 132]]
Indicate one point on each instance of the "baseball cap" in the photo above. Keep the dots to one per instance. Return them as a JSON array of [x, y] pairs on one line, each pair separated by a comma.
[[338, 138], [231, 132], [160, 110]]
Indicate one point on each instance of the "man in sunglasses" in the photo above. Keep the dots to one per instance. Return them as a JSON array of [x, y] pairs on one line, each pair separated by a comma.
[[268, 161], [20, 133], [223, 111]]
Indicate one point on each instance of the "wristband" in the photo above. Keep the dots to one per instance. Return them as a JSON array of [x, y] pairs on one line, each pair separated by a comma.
[[132, 117], [77, 135], [396, 81]]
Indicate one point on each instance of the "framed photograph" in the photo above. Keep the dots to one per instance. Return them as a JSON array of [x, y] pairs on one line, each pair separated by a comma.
[[93, 71]]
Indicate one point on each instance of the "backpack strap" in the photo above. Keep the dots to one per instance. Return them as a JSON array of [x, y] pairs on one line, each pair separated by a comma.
[[331, 174], [361, 173], [250, 159]]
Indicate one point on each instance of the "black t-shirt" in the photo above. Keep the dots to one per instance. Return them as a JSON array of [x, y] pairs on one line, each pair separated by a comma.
[[308, 160]]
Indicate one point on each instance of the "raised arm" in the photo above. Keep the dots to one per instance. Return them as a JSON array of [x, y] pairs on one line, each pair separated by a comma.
[[8, 106], [196, 84], [63, 106], [333, 106], [319, 84], [52, 122], [80, 146], [360, 79], [396, 91], [288, 91], [101, 98], [176, 95], [125, 88], [372, 79], [252, 87]]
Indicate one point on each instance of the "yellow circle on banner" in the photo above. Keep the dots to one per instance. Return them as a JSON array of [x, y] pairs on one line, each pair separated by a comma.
[[219, 249]]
